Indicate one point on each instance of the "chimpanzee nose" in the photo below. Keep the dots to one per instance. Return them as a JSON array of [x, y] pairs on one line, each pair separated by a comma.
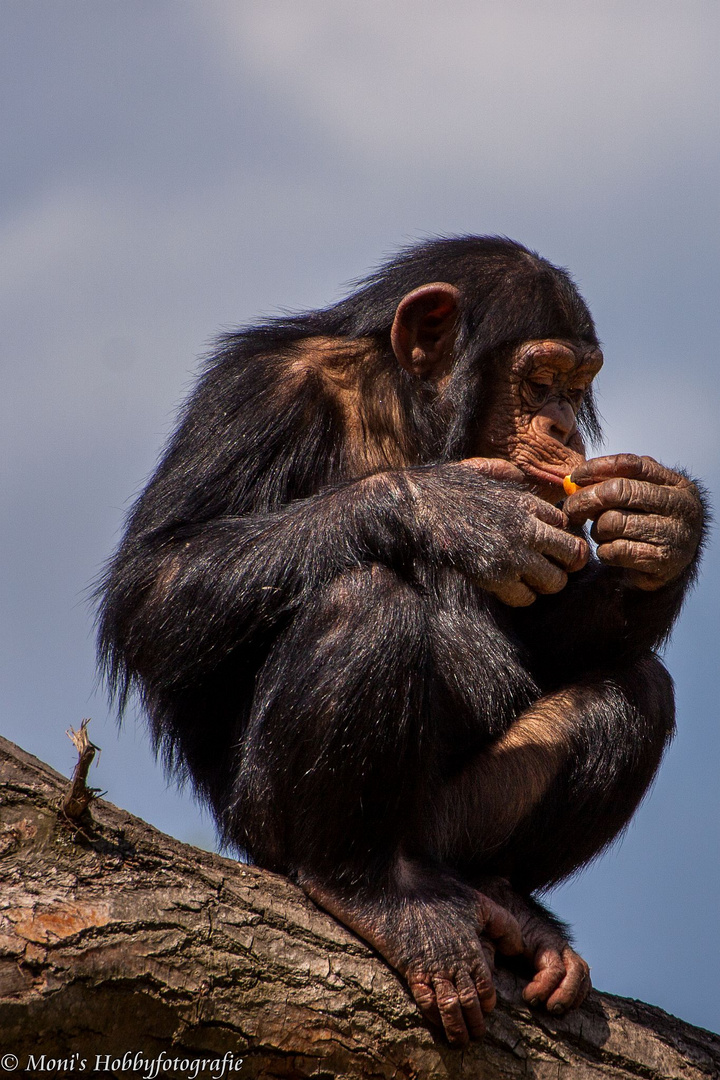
[[559, 416]]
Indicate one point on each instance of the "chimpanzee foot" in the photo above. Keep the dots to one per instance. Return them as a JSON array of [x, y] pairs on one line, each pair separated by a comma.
[[449, 968], [562, 978], [433, 940]]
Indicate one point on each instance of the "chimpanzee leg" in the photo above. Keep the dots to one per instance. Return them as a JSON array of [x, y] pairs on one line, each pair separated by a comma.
[[360, 713], [331, 754], [546, 796], [352, 726], [626, 721], [559, 783]]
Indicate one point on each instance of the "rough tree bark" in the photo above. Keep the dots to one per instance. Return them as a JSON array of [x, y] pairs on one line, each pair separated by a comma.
[[116, 938]]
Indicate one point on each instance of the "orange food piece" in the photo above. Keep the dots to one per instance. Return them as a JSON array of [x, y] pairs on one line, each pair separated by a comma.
[[568, 487]]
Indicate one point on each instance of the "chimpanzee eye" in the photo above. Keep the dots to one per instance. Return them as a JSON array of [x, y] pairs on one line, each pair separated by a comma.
[[536, 391]]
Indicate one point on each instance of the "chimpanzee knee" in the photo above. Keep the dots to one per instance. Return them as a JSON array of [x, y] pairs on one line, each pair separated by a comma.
[[593, 801]]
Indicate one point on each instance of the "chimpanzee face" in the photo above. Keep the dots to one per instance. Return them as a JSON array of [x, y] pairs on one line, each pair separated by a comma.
[[535, 401]]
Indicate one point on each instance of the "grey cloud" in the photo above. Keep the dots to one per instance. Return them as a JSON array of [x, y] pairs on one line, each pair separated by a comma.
[[560, 90]]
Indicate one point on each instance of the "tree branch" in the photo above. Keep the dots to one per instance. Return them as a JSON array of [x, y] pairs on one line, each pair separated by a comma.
[[116, 938], [79, 797]]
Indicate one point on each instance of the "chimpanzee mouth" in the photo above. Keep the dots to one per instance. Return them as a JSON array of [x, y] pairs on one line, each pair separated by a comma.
[[544, 476]]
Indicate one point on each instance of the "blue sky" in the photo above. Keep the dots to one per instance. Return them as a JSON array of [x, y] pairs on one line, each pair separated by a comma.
[[171, 168]]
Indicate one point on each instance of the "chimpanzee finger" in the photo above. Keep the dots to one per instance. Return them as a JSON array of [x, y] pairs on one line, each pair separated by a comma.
[[513, 593], [484, 985], [424, 995], [451, 1011], [497, 924], [549, 974], [575, 982], [632, 555], [620, 492], [583, 991], [543, 576], [625, 525], [569, 551], [545, 511], [469, 994], [496, 469], [631, 466]]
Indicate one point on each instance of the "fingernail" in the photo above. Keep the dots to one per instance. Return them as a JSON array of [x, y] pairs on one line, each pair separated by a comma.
[[534, 1002], [558, 1009]]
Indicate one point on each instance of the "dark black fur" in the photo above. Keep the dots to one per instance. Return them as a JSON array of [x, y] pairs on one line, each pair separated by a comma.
[[306, 642]]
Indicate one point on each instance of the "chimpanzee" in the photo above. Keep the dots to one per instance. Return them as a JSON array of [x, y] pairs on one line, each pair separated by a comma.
[[363, 621]]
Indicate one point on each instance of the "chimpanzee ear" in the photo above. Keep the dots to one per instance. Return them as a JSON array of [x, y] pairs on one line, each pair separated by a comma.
[[423, 331]]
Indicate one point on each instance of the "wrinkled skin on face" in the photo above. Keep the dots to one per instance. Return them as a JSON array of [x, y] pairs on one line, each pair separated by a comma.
[[536, 401]]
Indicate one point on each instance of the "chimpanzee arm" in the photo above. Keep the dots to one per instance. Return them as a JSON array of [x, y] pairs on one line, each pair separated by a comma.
[[181, 595]]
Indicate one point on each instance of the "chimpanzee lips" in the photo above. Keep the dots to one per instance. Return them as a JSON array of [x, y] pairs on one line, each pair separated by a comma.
[[547, 474]]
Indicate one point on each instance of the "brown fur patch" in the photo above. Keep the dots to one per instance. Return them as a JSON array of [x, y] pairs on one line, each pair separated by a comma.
[[483, 806], [364, 388], [167, 573], [537, 745]]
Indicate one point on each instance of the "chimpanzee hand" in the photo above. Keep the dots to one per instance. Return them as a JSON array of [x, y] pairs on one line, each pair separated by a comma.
[[646, 518], [512, 543]]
